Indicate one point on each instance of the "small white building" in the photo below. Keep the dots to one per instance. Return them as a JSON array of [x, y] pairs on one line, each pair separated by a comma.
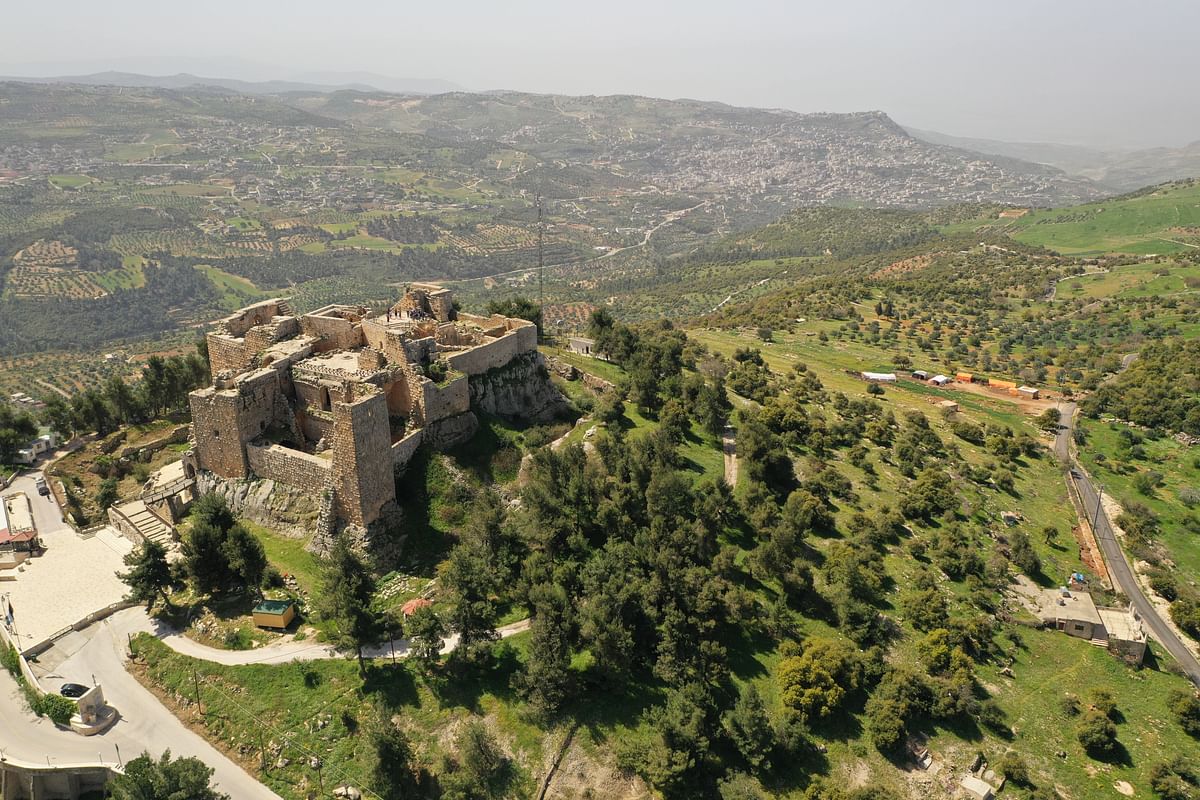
[[879, 377], [939, 380], [581, 345], [920, 374], [38, 447], [1028, 392]]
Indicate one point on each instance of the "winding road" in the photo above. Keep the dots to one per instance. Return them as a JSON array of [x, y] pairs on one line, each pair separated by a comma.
[[1114, 556]]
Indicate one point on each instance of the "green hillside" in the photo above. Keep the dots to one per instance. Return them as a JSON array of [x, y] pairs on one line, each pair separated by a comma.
[[1162, 220]]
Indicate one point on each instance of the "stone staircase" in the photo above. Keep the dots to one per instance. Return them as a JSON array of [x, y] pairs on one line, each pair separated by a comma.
[[136, 519], [284, 309], [1102, 643]]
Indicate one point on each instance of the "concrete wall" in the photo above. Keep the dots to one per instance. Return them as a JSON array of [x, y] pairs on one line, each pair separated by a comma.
[[32, 781], [293, 467]]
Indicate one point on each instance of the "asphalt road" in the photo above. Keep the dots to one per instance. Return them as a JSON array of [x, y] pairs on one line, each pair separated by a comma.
[[145, 724], [46, 513], [1118, 566]]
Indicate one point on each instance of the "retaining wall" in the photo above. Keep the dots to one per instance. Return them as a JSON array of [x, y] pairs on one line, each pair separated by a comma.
[[293, 467]]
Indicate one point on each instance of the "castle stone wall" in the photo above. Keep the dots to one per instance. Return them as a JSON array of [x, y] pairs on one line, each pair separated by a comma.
[[362, 458], [496, 353], [295, 468], [227, 353], [223, 420], [332, 333], [406, 448]]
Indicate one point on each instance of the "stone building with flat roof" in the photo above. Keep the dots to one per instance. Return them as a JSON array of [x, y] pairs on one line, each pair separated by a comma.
[[334, 401]]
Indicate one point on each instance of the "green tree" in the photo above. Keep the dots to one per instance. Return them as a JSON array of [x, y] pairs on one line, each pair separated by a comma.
[[816, 682], [121, 397], [1097, 734], [246, 558], [390, 759], [16, 431], [426, 634], [58, 416], [205, 559], [149, 577], [164, 779], [480, 769], [107, 494], [348, 592], [749, 728], [547, 675], [1185, 705]]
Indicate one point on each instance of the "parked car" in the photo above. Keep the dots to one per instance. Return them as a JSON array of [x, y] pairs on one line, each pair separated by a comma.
[[1076, 474], [42, 488], [73, 690]]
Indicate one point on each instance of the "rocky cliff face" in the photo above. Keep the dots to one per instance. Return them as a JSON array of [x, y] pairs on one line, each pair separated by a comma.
[[282, 508], [519, 390]]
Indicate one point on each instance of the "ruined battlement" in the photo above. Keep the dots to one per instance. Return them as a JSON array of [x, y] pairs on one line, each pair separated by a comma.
[[335, 400]]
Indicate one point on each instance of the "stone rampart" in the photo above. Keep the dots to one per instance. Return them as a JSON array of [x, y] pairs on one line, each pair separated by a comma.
[[406, 448], [495, 353], [293, 467]]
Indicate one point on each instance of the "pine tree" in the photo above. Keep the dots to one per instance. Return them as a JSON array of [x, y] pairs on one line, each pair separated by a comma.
[[348, 592], [246, 558], [149, 576], [547, 669]]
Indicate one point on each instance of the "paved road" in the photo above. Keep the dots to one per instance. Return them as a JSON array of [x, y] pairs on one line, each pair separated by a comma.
[[46, 513], [287, 651], [1114, 556], [145, 724]]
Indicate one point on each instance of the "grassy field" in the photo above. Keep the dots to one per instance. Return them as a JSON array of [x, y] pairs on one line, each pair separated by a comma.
[[1115, 464], [1163, 221]]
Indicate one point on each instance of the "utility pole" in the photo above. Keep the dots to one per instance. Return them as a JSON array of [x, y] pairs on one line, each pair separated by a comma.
[[541, 264], [1096, 516], [196, 682]]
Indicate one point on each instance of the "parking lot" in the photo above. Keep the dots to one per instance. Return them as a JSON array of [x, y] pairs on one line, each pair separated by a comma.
[[72, 578]]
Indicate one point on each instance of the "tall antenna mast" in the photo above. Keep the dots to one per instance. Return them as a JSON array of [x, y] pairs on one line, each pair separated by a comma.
[[541, 264]]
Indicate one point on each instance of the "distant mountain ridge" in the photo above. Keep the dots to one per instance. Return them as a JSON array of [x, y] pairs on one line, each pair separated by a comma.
[[1118, 170], [313, 82]]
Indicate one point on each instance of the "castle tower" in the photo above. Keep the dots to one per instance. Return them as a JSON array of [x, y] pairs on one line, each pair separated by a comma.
[[362, 455]]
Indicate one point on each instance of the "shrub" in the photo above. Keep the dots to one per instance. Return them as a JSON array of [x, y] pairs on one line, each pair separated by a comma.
[[1013, 767], [1164, 586], [58, 708], [1097, 734], [1189, 496]]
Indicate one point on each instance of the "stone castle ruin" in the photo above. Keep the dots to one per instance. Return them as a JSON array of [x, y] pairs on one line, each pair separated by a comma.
[[334, 402]]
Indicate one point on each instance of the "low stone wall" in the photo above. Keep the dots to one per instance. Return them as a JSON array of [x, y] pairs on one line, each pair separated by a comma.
[[178, 435], [293, 467]]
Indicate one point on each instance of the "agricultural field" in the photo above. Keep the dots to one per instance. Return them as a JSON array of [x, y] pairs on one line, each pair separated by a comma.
[[1162, 220]]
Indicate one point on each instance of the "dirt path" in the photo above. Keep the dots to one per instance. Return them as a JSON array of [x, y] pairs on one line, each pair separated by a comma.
[[729, 447], [51, 387]]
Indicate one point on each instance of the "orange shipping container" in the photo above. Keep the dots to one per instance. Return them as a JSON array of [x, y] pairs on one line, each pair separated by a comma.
[[964, 377]]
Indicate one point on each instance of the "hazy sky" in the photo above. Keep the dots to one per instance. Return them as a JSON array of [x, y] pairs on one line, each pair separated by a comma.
[[1078, 71]]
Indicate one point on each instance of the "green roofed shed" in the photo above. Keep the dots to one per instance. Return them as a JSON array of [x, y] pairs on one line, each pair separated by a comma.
[[274, 613]]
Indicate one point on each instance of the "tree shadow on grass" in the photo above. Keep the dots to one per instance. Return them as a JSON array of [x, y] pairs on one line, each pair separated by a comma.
[[394, 685], [461, 684]]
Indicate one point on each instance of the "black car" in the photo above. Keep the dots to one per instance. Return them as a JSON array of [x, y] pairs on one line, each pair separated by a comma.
[[1076, 474], [73, 690]]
